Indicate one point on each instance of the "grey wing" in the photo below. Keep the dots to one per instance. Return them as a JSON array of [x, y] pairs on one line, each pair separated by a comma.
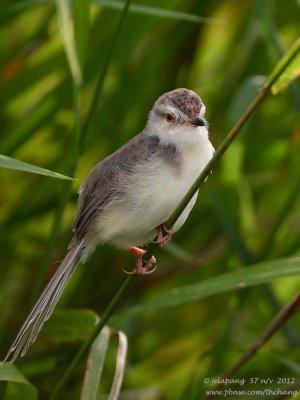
[[101, 185], [94, 193]]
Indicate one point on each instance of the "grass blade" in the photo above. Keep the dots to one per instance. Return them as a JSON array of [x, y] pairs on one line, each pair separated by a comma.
[[67, 31], [135, 8], [292, 57], [12, 163], [120, 367], [95, 365], [282, 215], [155, 11], [103, 73], [81, 27], [22, 388], [244, 277], [292, 365]]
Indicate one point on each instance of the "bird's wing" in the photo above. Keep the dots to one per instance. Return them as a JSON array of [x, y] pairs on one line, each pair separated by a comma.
[[101, 185]]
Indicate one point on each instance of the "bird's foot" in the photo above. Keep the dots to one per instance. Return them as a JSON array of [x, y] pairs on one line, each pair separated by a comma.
[[142, 267], [145, 267], [164, 235]]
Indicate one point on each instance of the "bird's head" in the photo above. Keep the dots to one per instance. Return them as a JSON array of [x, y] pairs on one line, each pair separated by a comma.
[[178, 117]]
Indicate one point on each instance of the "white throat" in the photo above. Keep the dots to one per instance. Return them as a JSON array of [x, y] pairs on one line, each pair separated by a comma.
[[183, 137]]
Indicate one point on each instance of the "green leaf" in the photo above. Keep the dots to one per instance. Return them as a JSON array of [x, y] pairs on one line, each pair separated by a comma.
[[81, 27], [18, 387], [120, 367], [94, 366], [30, 123], [244, 277], [12, 163], [154, 11], [290, 74], [69, 326], [290, 364], [292, 59], [67, 31], [134, 8]]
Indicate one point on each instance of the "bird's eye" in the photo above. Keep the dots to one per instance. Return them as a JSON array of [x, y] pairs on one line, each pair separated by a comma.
[[169, 117]]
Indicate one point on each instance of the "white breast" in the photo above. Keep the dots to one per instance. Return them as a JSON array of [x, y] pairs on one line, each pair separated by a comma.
[[151, 195]]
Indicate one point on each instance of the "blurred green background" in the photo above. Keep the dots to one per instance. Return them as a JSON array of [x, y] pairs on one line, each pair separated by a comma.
[[248, 210]]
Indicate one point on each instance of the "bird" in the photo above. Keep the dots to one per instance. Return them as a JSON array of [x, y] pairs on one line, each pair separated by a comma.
[[127, 197]]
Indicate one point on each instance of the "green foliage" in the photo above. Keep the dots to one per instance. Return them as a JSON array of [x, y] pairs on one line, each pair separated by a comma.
[[12, 163], [95, 365], [69, 326], [293, 70], [244, 229], [256, 275], [81, 28], [67, 28], [18, 386]]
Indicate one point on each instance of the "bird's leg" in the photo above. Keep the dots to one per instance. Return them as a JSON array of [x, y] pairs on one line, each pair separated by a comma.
[[164, 235], [142, 267]]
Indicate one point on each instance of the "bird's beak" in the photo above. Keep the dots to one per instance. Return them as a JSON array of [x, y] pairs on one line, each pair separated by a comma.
[[199, 122]]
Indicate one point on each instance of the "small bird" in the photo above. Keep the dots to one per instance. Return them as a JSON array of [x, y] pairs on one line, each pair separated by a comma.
[[127, 196]]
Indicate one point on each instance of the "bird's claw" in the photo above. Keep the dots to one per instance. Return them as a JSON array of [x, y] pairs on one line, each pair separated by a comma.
[[164, 235], [146, 267], [143, 267]]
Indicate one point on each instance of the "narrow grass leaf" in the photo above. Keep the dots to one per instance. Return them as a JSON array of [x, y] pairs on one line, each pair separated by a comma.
[[30, 123], [292, 59], [154, 11], [81, 27], [94, 366], [67, 30], [229, 225], [120, 367], [292, 72], [258, 274], [12, 163], [135, 8], [18, 385], [103, 73], [292, 365]]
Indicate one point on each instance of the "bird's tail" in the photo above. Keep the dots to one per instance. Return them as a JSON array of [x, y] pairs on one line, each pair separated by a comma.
[[45, 304]]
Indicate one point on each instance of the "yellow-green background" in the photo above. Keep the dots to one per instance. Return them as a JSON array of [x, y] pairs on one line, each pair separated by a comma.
[[252, 191]]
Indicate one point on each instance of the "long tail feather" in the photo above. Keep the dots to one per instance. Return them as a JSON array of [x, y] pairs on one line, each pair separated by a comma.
[[45, 305]]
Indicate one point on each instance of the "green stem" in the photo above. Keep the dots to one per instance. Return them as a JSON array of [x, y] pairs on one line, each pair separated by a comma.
[[280, 319], [103, 73], [85, 346], [272, 39], [201, 178], [263, 93], [287, 206]]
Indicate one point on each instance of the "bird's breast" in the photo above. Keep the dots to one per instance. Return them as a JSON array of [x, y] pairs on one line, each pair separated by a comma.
[[149, 196], [159, 186]]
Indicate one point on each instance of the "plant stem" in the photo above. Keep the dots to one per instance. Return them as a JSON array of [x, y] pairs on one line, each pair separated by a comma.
[[196, 185], [103, 73], [272, 39], [277, 322], [287, 206], [263, 93], [248, 259], [85, 346]]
